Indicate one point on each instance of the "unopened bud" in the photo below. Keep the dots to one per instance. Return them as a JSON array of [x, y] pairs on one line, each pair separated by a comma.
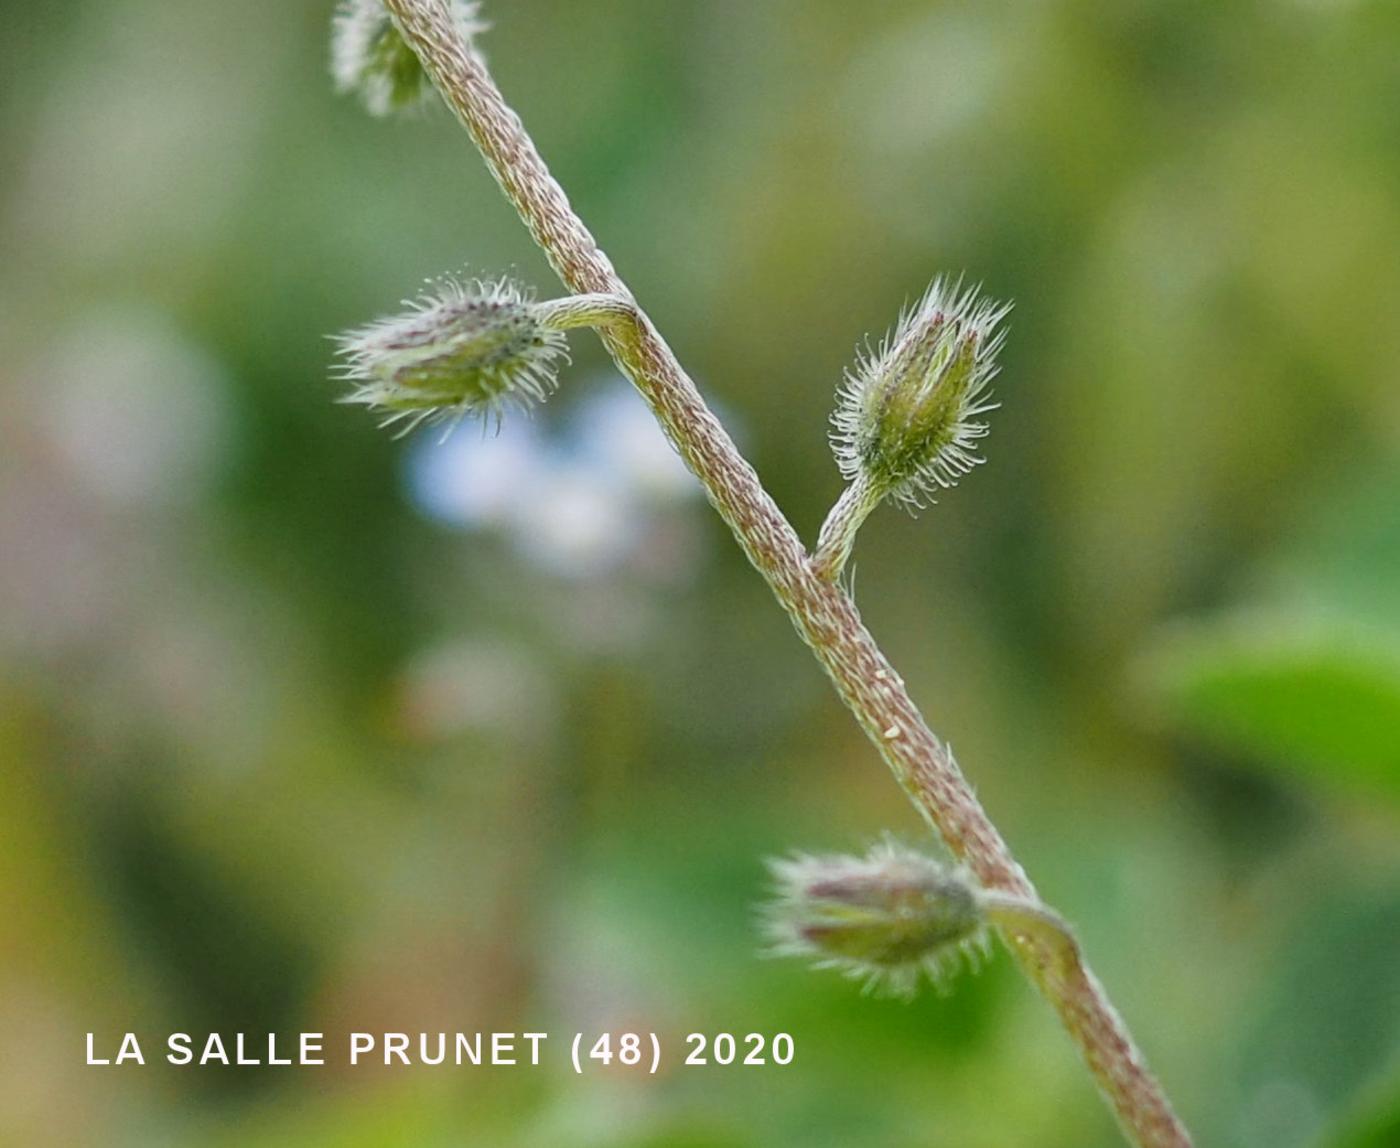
[[886, 918], [370, 57], [907, 419], [470, 348]]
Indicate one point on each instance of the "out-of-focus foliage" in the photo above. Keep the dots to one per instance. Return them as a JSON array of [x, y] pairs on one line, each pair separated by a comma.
[[302, 728], [1308, 672], [1376, 1123], [1319, 702]]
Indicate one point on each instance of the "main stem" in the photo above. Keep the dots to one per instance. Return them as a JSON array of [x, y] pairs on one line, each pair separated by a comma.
[[824, 615]]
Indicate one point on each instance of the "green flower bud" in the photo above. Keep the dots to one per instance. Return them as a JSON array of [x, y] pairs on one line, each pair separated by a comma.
[[885, 918], [369, 55], [470, 348], [907, 421]]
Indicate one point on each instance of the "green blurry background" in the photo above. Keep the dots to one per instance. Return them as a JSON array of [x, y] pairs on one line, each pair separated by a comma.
[[304, 728]]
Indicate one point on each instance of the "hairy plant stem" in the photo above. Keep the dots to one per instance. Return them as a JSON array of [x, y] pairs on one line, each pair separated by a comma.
[[824, 615], [838, 532], [594, 310], [1032, 918]]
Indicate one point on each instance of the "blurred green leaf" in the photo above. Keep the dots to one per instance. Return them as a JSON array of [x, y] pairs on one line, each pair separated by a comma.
[[1375, 1123], [1320, 702], [1305, 671]]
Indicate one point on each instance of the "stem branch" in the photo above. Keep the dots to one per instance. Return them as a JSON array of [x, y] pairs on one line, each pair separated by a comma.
[[1019, 918], [823, 614], [838, 532], [596, 310]]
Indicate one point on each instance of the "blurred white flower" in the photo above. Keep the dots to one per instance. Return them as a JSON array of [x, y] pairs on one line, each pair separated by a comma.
[[616, 432], [575, 520], [474, 477], [578, 503]]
